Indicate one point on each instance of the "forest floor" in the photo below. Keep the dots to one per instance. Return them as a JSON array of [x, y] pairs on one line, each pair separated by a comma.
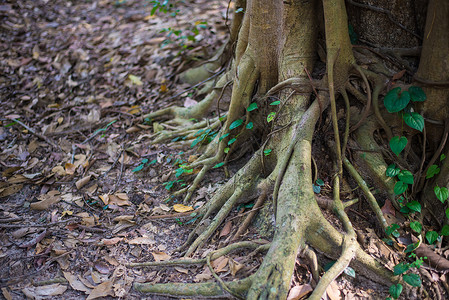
[[82, 190]]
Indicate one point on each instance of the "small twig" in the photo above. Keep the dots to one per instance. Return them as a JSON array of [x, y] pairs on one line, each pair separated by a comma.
[[11, 220], [37, 225], [46, 139]]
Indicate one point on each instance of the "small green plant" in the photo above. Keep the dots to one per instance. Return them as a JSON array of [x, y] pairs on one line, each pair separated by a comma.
[[164, 7], [144, 163], [169, 184], [317, 186]]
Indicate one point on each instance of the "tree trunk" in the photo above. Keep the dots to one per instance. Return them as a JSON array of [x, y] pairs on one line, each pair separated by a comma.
[[277, 46]]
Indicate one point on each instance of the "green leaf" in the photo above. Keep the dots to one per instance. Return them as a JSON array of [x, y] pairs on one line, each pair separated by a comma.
[[417, 94], [400, 187], [271, 116], [349, 271], [138, 168], [145, 160], [405, 210], [392, 170], [239, 10], [414, 206], [401, 268], [443, 156], [416, 226], [223, 136], [397, 144], [432, 171], [236, 124], [431, 236], [267, 152], [445, 230], [390, 229], [442, 193], [319, 182], [316, 189], [179, 172], [411, 247], [275, 103], [226, 150], [447, 212], [412, 279], [394, 101], [406, 176], [218, 165], [328, 266], [231, 141], [396, 290], [252, 107], [250, 125], [414, 120]]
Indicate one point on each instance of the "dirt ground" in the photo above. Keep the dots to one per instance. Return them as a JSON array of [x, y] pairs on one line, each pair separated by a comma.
[[82, 190]]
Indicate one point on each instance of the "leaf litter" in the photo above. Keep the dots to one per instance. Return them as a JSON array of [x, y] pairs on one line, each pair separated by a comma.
[[82, 188]]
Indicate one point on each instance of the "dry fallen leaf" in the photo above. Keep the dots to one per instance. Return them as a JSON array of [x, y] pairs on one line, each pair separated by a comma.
[[75, 283], [142, 241], [333, 291], [182, 208], [112, 241], [102, 290], [70, 169], [299, 291], [226, 229], [160, 256], [83, 181], [235, 266], [40, 292], [220, 264], [46, 200]]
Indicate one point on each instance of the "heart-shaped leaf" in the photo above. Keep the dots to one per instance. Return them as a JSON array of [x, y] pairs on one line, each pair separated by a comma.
[[414, 206], [414, 120], [392, 170], [396, 290], [400, 187], [397, 144], [395, 101], [412, 279], [442, 193], [431, 237], [416, 226], [432, 171], [445, 230], [417, 94], [401, 268], [406, 176]]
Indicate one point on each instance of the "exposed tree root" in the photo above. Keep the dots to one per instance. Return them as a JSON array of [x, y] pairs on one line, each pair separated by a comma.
[[288, 170], [204, 289]]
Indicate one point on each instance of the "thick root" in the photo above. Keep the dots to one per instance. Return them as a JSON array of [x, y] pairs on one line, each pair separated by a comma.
[[206, 289]]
